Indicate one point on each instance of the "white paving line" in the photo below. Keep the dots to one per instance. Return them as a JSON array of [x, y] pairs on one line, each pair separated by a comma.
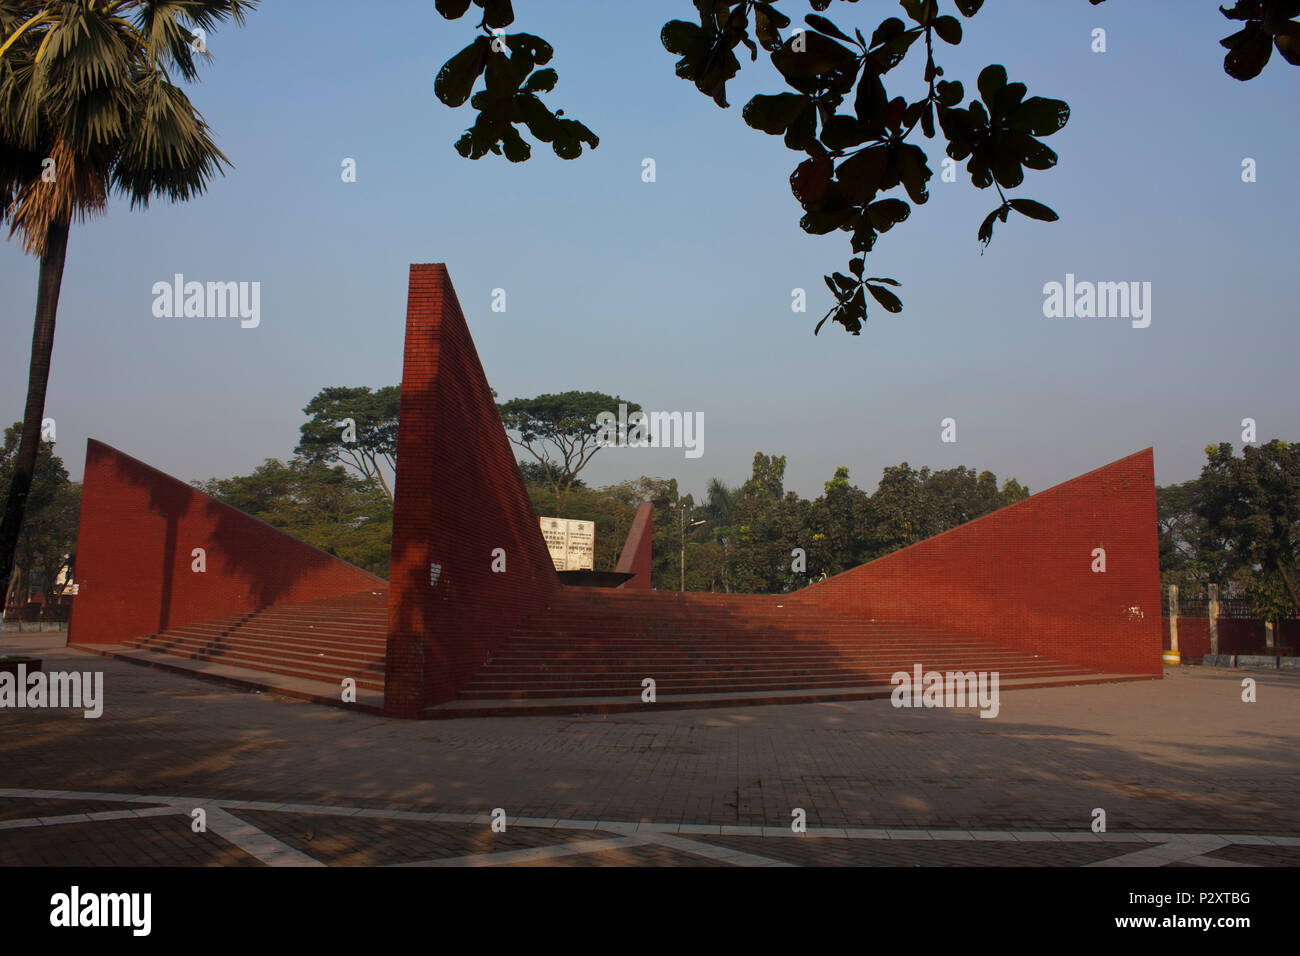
[[719, 854], [1164, 847], [581, 847], [1183, 847], [67, 818], [254, 841], [1209, 861]]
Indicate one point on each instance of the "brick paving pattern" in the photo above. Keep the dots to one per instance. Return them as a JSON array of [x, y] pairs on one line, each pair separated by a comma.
[[348, 841], [159, 841], [825, 851], [1178, 756]]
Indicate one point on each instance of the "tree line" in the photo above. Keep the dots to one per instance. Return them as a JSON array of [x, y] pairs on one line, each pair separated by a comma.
[[49, 535], [1236, 525]]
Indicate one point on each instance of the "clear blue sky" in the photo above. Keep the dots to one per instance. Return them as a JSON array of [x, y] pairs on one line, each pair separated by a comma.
[[677, 293]]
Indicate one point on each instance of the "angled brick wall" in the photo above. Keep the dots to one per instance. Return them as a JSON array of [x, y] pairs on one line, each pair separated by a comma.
[[137, 533], [458, 498], [636, 555], [1022, 576]]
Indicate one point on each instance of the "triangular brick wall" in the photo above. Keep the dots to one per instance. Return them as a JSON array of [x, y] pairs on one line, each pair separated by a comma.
[[636, 556], [458, 499], [1023, 575], [135, 563]]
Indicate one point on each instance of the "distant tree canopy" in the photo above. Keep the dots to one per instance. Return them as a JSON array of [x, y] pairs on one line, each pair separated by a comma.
[[740, 539], [356, 428], [1238, 526], [49, 533], [853, 157], [326, 506], [559, 431], [1251, 504]]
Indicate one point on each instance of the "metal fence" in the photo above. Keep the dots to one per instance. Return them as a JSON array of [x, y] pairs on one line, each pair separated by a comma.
[[33, 627], [1238, 608]]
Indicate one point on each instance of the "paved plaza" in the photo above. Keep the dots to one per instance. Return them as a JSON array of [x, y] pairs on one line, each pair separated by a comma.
[[1187, 774]]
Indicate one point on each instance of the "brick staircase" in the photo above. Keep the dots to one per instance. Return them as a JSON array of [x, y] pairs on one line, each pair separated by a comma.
[[591, 650], [304, 650]]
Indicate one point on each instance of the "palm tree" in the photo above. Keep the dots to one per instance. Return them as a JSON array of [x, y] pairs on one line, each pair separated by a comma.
[[87, 105]]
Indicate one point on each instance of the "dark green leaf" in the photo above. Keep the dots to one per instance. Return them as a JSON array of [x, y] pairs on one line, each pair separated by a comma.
[[542, 81], [1248, 58], [1007, 170], [916, 9], [569, 137], [986, 227], [892, 53], [1287, 42], [774, 113], [870, 99], [451, 9], [949, 29], [859, 176], [458, 75], [991, 79], [821, 55], [856, 312], [1039, 116], [810, 180], [888, 30], [537, 49], [887, 213], [768, 21], [950, 94], [1008, 98], [843, 132], [541, 121], [886, 298], [779, 19], [819, 223], [515, 148], [497, 14], [683, 38], [1032, 153], [1034, 210], [822, 25], [914, 173]]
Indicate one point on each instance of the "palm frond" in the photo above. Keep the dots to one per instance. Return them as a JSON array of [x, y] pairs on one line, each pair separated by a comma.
[[86, 86], [168, 149], [77, 192], [167, 27]]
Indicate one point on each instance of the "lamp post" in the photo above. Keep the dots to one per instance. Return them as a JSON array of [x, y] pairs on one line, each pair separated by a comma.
[[681, 507]]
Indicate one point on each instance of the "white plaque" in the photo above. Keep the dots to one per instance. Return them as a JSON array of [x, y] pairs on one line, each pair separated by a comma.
[[571, 541]]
